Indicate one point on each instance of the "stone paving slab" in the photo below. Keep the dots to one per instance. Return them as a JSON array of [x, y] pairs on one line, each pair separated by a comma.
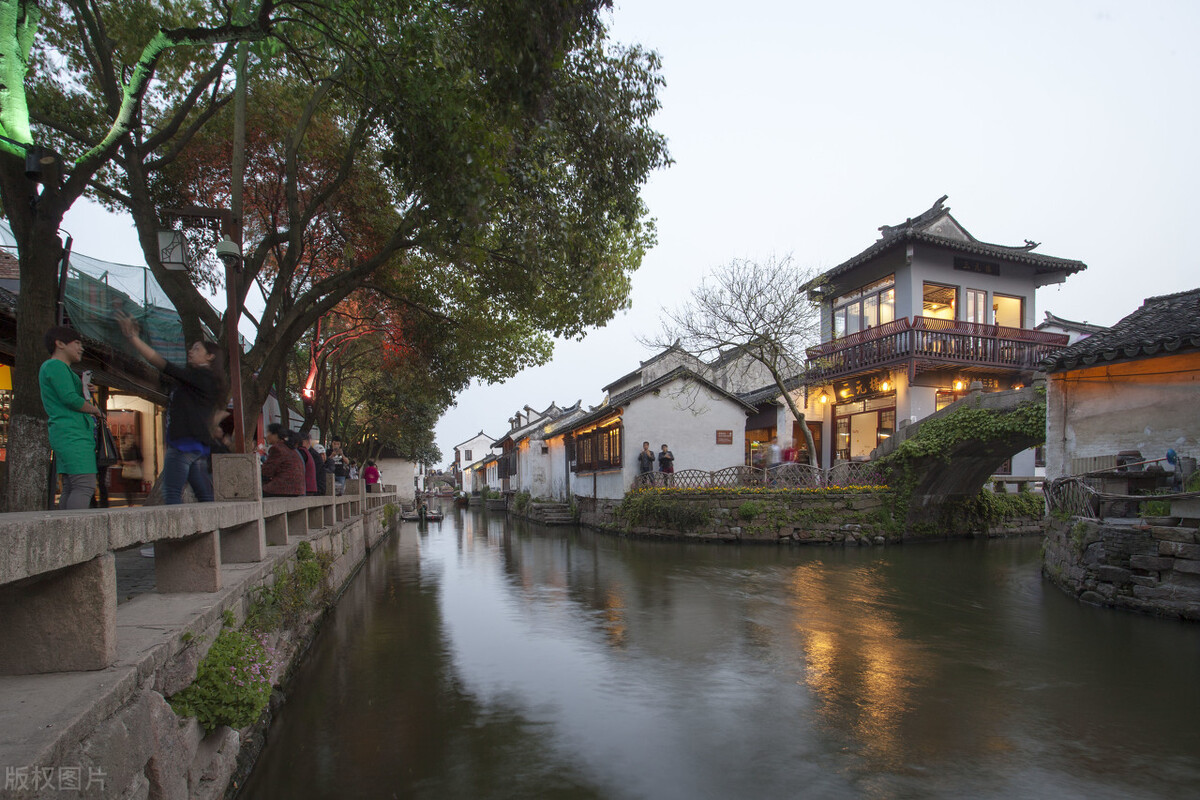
[[39, 713]]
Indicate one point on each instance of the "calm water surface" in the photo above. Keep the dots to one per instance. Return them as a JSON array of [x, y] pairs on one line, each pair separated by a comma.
[[484, 658]]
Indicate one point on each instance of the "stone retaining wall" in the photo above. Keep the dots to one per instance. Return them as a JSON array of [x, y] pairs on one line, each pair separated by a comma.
[[849, 518], [1144, 568]]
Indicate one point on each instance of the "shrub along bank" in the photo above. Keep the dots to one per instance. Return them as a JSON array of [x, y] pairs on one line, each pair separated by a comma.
[[853, 515]]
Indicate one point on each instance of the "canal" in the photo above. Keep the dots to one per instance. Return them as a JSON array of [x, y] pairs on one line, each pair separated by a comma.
[[489, 658]]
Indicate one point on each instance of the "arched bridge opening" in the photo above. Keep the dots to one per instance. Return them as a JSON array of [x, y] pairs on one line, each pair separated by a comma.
[[948, 457]]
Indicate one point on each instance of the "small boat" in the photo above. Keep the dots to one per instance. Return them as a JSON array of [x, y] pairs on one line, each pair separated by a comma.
[[410, 516], [435, 515]]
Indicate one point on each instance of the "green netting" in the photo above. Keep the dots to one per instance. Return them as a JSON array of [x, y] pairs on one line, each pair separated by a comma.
[[98, 291]]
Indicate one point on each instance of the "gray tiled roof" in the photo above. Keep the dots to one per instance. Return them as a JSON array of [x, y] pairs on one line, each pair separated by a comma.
[[1166, 324], [919, 229], [621, 399]]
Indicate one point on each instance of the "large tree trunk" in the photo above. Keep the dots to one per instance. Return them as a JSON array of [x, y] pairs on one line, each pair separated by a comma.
[[35, 221]]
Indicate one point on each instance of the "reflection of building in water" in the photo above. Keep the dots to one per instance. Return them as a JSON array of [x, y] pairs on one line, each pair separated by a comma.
[[615, 626], [857, 663]]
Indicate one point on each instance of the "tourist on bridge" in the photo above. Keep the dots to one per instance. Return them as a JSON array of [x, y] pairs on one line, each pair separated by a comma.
[[198, 394], [72, 430]]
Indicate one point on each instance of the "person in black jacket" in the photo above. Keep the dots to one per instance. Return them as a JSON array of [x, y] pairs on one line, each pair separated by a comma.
[[315, 452], [193, 401]]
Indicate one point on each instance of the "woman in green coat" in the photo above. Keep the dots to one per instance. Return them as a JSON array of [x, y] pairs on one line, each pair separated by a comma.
[[72, 431]]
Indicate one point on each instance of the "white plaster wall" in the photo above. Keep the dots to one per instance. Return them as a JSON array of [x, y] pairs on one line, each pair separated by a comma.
[[1101, 412], [922, 401], [558, 474], [686, 416], [400, 473], [533, 469], [610, 485]]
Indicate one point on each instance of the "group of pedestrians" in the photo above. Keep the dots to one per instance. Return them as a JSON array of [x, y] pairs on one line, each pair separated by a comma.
[[294, 465], [665, 458]]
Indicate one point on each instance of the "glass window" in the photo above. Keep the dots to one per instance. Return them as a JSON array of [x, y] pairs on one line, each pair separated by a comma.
[[977, 306], [870, 314], [887, 306], [1009, 310], [843, 438], [887, 425], [939, 301], [865, 307], [853, 317]]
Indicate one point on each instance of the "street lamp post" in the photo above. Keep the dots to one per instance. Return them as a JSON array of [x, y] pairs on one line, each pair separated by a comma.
[[229, 250]]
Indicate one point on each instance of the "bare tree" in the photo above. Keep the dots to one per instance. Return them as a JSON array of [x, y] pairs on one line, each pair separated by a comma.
[[751, 313]]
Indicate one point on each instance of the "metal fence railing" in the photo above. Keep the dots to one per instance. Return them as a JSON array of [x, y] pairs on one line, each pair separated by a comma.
[[780, 476]]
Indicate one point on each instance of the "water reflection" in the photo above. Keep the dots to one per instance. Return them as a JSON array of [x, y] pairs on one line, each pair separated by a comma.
[[483, 658]]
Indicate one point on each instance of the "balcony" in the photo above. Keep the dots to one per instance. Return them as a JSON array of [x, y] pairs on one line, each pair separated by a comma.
[[923, 343]]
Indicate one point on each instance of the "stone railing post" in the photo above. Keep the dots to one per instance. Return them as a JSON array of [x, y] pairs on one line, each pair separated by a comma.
[[236, 476]]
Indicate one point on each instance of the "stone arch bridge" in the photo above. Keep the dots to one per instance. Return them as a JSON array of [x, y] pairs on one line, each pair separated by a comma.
[[943, 479]]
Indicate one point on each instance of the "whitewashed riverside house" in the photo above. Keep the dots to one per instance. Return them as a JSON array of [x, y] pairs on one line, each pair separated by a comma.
[[528, 463], [467, 454], [701, 423]]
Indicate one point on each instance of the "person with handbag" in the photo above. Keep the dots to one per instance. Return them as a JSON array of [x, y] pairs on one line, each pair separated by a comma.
[[72, 429], [197, 393]]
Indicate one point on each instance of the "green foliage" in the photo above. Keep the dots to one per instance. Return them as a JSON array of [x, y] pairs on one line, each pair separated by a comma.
[[939, 435], [654, 509], [390, 512], [292, 593], [520, 502], [233, 682], [1159, 507], [1193, 482], [750, 509]]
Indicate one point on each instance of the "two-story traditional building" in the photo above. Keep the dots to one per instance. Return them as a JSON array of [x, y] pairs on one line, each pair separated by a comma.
[[910, 322]]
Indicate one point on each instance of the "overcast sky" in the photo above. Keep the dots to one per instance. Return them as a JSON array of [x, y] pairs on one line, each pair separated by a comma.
[[801, 127]]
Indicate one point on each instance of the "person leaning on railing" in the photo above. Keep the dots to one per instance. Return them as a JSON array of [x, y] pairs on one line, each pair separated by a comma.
[[283, 471], [198, 392]]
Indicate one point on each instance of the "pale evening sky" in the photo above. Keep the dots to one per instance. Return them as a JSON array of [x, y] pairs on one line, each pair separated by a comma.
[[801, 127]]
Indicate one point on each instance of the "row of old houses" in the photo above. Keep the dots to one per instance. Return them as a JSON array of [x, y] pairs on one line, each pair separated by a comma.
[[907, 326]]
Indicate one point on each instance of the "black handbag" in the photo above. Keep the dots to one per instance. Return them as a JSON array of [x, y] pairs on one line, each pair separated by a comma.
[[106, 448]]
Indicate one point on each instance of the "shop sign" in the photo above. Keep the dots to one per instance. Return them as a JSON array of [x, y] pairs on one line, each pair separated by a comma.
[[724, 437], [980, 267]]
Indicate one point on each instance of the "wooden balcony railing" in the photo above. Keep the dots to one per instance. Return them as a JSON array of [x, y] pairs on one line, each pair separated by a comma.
[[932, 340]]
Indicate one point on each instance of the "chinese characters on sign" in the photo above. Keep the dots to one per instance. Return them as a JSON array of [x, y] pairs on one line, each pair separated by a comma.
[[724, 437]]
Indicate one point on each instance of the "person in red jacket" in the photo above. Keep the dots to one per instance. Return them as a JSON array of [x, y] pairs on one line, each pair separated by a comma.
[[370, 474], [283, 471]]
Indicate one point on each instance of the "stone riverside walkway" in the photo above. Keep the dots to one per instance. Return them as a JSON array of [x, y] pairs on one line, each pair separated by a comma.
[[94, 636]]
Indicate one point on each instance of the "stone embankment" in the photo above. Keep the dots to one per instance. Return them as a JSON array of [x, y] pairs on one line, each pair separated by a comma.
[[1152, 569], [852, 518], [110, 732]]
